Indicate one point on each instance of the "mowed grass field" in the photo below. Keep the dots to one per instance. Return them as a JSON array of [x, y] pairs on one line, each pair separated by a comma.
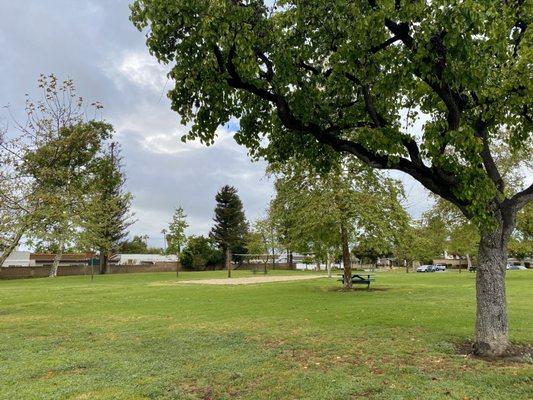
[[142, 336]]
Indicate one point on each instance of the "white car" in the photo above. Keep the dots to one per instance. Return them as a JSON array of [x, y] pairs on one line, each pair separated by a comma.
[[515, 267], [440, 268], [424, 268]]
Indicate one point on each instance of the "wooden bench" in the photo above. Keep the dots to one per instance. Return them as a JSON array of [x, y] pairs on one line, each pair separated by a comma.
[[360, 279]]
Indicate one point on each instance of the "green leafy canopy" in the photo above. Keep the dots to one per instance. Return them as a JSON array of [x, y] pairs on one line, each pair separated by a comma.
[[319, 77]]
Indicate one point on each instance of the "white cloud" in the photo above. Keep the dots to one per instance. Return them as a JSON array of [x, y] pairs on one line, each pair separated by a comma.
[[137, 68], [170, 142], [162, 143]]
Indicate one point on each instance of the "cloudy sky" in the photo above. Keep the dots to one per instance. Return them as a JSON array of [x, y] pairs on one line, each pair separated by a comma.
[[94, 43]]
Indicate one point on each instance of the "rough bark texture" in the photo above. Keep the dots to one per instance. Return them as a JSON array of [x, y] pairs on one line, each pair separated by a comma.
[[103, 261], [491, 317], [347, 264], [228, 261], [8, 250]]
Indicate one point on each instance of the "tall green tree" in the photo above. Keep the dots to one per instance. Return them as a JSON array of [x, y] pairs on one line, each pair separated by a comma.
[[52, 155], [176, 232], [383, 217], [348, 205], [321, 77], [65, 183], [43, 166], [175, 235], [262, 241], [281, 214], [230, 228], [107, 216]]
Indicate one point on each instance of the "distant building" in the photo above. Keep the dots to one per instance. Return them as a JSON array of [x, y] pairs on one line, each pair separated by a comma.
[[296, 258], [142, 259], [47, 259], [19, 259]]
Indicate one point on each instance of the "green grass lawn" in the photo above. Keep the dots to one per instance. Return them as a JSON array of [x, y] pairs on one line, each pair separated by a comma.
[[139, 336]]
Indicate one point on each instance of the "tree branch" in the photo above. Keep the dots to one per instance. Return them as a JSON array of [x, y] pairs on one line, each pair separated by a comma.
[[384, 45], [378, 120], [269, 75], [451, 100], [520, 199], [488, 161], [432, 178]]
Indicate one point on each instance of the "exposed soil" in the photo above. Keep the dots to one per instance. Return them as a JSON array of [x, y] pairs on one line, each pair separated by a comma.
[[252, 280], [516, 353]]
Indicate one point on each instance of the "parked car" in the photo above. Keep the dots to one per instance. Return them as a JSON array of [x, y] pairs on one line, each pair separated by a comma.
[[440, 268], [515, 267], [424, 268]]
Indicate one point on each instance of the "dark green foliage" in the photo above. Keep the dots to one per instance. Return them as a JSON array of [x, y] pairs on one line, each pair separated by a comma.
[[199, 253], [230, 226], [108, 215], [137, 245], [324, 76], [521, 243], [61, 166]]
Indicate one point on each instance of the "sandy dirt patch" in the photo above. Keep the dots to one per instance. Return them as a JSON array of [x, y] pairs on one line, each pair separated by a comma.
[[252, 280]]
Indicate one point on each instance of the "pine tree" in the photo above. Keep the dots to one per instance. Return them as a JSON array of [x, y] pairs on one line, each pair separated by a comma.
[[230, 227], [108, 216]]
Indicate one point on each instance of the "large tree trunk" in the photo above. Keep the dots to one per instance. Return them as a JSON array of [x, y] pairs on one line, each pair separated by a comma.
[[103, 261], [57, 259], [9, 249], [346, 258], [227, 253], [291, 266], [491, 316]]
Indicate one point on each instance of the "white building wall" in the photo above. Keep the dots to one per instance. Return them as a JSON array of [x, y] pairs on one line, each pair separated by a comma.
[[137, 259], [19, 259]]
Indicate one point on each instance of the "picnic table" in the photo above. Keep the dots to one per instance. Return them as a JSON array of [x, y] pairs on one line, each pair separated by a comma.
[[360, 279]]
